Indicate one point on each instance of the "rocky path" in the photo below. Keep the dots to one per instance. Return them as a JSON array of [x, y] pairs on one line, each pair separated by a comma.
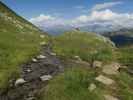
[[103, 78], [35, 75]]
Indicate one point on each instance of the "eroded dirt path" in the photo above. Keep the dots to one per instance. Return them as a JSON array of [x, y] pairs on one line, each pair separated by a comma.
[[31, 73]]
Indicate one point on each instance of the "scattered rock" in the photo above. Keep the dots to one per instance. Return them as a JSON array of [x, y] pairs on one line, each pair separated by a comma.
[[34, 60], [42, 36], [111, 69], [19, 81], [45, 77], [43, 43], [97, 64], [109, 97], [53, 54], [92, 87], [28, 70], [105, 80], [77, 57], [41, 57]]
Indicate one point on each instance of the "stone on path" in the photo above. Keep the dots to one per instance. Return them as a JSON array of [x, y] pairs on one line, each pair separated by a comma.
[[109, 97], [111, 69], [92, 87], [29, 70], [97, 64], [45, 77], [19, 81], [34, 60], [41, 57], [105, 80]]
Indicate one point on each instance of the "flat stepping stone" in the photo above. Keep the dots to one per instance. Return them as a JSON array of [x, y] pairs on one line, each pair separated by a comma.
[[109, 97], [111, 69], [105, 80]]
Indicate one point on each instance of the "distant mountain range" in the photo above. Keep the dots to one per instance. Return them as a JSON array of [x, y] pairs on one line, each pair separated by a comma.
[[97, 28], [121, 37]]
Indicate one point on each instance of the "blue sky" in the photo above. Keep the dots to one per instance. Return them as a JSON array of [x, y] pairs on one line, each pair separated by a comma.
[[63, 8], [65, 14]]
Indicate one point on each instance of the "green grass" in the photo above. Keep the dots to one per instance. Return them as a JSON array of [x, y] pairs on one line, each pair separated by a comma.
[[74, 82], [125, 56], [125, 86], [87, 46], [72, 85], [17, 45]]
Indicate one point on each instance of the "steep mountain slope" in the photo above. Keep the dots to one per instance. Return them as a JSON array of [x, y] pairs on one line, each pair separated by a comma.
[[19, 41]]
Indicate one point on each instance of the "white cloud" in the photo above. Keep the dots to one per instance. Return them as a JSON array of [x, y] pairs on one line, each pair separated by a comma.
[[105, 5], [47, 21], [104, 18]]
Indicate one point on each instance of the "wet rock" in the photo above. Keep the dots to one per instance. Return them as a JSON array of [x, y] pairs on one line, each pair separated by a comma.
[[34, 60], [92, 87], [45, 77], [41, 57], [20, 81], [111, 69], [105, 80], [109, 97], [97, 64]]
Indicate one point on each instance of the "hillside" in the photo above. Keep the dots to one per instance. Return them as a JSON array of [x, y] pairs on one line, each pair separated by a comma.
[[74, 65], [88, 46], [19, 41], [92, 70]]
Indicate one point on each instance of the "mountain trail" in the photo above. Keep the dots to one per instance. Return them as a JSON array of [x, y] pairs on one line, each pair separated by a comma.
[[34, 76]]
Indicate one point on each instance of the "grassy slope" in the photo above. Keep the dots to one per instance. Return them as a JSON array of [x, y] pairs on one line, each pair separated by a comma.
[[74, 83], [87, 46], [125, 55], [19, 41]]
